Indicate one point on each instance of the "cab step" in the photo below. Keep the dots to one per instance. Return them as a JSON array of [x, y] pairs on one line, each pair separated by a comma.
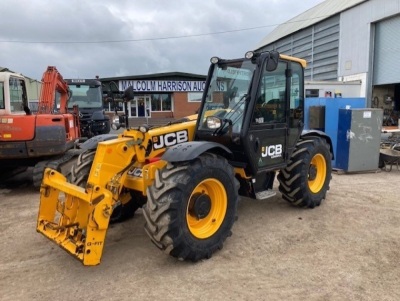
[[262, 195]]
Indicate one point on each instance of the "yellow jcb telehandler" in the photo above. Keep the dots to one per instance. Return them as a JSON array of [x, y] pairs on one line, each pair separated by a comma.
[[187, 176]]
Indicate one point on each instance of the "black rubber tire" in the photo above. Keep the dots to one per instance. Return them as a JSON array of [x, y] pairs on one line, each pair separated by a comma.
[[79, 176], [55, 163], [38, 171], [166, 211], [294, 180], [81, 169], [126, 211], [108, 126]]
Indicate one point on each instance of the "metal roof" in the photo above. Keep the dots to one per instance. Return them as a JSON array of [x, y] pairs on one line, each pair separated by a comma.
[[318, 13], [4, 69]]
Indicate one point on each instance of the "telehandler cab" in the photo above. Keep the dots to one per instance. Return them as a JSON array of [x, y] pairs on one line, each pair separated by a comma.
[[188, 175]]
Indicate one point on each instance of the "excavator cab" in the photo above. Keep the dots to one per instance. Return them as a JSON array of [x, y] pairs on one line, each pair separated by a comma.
[[13, 94]]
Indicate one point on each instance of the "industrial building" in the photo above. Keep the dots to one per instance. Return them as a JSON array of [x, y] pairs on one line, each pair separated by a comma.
[[160, 96], [346, 41]]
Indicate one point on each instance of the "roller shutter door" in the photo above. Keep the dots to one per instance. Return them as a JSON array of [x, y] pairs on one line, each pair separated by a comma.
[[387, 52]]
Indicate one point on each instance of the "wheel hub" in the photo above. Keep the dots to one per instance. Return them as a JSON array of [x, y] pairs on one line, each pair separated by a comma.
[[200, 205], [312, 173]]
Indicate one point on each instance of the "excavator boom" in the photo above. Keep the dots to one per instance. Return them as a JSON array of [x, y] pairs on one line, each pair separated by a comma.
[[53, 81]]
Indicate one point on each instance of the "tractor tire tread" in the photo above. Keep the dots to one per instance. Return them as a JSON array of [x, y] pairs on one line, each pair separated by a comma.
[[293, 180], [165, 211]]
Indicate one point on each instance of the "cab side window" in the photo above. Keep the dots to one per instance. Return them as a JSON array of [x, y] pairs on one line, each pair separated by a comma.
[[16, 95], [271, 105], [2, 102], [296, 94]]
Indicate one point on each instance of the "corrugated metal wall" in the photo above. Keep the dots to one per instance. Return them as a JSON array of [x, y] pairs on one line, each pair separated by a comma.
[[318, 44]]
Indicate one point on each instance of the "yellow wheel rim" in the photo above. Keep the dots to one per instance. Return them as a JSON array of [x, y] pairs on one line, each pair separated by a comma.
[[211, 194], [317, 173]]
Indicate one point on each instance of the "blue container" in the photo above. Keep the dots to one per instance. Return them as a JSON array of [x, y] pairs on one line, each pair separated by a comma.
[[332, 106]]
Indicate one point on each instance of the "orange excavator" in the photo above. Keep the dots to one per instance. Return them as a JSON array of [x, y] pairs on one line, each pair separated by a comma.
[[46, 138]]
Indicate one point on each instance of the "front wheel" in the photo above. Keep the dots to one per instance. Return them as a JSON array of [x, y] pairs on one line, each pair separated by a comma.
[[192, 206], [305, 180]]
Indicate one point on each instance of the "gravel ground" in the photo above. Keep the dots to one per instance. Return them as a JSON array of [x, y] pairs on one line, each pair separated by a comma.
[[346, 249]]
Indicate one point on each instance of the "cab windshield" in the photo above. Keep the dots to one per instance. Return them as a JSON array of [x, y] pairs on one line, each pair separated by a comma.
[[227, 92], [85, 96]]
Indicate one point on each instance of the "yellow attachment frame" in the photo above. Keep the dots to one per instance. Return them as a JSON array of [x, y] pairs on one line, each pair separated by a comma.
[[77, 220]]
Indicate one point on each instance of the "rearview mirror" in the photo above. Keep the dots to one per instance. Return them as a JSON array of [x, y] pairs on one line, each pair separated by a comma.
[[272, 61], [113, 86], [128, 93]]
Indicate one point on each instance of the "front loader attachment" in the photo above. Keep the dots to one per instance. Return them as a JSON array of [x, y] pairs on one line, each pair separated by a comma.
[[73, 217]]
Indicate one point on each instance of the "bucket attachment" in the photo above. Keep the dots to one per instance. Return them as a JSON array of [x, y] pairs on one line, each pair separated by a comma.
[[73, 217]]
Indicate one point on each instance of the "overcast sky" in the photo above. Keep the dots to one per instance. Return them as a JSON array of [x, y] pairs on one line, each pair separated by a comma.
[[118, 38]]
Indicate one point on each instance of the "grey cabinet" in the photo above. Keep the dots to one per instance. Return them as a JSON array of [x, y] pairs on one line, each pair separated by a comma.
[[359, 137]]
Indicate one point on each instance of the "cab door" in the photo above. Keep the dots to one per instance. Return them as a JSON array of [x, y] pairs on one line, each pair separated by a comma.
[[273, 131]]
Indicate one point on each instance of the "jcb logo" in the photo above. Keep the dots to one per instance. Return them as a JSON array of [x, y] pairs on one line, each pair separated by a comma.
[[273, 151], [170, 139], [136, 172]]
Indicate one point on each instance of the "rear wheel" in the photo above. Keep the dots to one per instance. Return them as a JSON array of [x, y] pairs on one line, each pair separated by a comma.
[[192, 206], [305, 180], [81, 169], [79, 176]]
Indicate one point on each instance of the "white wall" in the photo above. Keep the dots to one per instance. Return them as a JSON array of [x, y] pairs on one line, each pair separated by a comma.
[[356, 34], [349, 89]]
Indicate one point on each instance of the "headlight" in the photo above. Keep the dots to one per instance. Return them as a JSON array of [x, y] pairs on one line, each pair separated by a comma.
[[249, 54], [144, 128], [213, 122], [214, 60]]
